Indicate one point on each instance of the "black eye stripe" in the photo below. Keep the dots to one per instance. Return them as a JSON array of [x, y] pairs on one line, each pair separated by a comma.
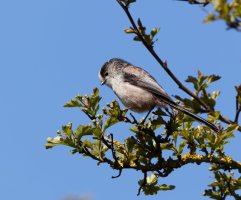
[[103, 69]]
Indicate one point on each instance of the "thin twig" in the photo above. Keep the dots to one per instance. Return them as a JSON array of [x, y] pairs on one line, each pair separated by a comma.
[[237, 115], [143, 184], [134, 119], [103, 160], [120, 172], [238, 110], [110, 146]]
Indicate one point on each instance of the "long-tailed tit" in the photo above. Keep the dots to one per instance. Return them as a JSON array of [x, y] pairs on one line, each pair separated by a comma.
[[138, 90]]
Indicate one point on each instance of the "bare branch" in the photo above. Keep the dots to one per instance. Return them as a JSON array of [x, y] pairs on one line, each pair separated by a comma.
[[120, 172]]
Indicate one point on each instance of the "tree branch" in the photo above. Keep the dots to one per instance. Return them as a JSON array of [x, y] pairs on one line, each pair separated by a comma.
[[159, 60], [164, 65]]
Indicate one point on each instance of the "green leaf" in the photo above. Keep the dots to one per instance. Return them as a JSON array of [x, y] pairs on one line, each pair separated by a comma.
[[214, 116], [95, 93], [211, 17], [129, 31], [215, 94], [151, 187], [213, 78], [165, 187], [158, 121], [58, 140], [181, 147], [68, 129], [231, 128], [152, 180], [193, 80], [130, 142], [52, 142], [134, 129], [97, 132], [72, 103], [83, 130], [88, 144], [110, 122], [153, 33]]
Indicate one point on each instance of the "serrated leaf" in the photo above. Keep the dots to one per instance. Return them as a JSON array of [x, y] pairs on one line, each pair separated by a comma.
[[83, 130], [87, 143], [97, 132], [110, 122], [72, 103]]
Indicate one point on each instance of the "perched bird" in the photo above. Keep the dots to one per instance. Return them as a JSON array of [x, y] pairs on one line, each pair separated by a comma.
[[138, 90]]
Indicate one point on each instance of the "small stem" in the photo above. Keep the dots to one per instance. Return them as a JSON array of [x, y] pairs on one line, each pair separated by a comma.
[[238, 110], [143, 184], [134, 119], [120, 172]]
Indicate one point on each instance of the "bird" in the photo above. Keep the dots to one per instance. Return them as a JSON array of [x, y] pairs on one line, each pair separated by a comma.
[[138, 90]]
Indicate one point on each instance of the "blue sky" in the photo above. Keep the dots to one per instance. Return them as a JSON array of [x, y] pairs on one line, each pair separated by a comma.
[[52, 50]]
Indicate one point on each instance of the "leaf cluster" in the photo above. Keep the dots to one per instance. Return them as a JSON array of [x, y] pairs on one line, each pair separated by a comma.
[[200, 84], [146, 148], [229, 11], [167, 140], [149, 38], [225, 185]]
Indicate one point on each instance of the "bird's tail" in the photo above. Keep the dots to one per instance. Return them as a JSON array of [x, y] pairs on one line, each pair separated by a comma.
[[192, 115]]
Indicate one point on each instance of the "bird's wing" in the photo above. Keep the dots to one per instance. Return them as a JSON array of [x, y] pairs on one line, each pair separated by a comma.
[[140, 78]]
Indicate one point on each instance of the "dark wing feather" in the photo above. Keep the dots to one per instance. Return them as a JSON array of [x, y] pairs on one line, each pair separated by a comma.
[[148, 86]]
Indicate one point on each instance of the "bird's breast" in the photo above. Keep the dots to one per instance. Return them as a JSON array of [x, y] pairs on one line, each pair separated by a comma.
[[133, 97]]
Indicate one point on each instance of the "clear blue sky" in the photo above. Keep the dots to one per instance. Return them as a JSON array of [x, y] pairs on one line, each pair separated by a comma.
[[52, 50]]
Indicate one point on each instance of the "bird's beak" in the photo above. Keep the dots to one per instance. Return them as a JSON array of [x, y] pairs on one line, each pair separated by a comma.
[[103, 82]]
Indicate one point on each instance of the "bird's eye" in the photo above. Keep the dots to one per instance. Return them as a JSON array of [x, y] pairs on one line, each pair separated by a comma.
[[106, 73]]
